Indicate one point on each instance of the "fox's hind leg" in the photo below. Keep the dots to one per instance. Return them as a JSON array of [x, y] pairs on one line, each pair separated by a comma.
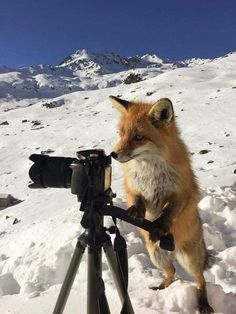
[[193, 258], [162, 259], [203, 305]]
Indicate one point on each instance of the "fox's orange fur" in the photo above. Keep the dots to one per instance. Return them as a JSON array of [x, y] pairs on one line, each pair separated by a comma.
[[159, 182]]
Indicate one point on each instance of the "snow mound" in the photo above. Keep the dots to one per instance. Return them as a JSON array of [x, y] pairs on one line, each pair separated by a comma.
[[8, 285]]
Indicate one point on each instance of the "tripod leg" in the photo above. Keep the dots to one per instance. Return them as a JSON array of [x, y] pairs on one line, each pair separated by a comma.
[[96, 298], [119, 279], [69, 279]]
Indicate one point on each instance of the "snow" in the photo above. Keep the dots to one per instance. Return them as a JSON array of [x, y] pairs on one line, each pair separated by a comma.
[[35, 252]]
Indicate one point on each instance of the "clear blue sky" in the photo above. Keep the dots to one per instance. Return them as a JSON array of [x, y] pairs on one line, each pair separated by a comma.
[[46, 31]]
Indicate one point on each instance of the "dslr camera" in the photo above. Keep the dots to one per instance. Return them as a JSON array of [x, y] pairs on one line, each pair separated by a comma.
[[89, 173]]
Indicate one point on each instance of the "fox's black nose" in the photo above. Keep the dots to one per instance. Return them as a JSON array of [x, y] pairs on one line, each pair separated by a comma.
[[114, 155]]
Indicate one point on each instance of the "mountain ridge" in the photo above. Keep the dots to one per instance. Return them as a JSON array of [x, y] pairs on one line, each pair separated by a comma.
[[82, 70]]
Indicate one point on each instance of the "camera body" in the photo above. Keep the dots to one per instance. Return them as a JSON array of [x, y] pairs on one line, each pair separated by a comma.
[[89, 173]]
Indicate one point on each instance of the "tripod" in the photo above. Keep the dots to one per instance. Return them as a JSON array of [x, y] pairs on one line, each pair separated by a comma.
[[95, 238]]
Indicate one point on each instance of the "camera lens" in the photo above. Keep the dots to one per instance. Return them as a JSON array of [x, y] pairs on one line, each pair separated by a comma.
[[50, 171]]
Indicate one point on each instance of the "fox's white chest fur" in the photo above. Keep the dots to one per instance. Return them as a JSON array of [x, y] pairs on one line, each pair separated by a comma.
[[153, 179]]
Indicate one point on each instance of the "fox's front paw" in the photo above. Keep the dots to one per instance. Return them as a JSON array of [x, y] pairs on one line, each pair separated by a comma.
[[134, 212], [166, 241], [158, 229]]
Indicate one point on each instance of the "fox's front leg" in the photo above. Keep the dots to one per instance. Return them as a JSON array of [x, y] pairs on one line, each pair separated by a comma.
[[136, 204], [162, 225]]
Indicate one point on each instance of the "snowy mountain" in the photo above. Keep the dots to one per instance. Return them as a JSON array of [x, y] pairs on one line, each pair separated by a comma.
[[83, 70], [109, 62], [38, 233]]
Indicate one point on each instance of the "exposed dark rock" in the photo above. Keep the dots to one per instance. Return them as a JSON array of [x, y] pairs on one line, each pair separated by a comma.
[[39, 128], [7, 200], [4, 123], [36, 122], [50, 105], [47, 151], [149, 93], [133, 78], [204, 151], [16, 221]]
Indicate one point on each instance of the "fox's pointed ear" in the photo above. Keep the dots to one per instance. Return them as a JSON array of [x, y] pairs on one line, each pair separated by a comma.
[[120, 104], [161, 113]]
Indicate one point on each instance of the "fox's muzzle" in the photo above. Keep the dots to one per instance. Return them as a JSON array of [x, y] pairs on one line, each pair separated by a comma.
[[121, 156]]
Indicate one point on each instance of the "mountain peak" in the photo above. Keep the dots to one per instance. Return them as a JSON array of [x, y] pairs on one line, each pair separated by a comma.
[[107, 62]]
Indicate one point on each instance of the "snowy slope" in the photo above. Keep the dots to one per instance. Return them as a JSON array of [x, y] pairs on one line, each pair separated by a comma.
[[35, 252], [82, 70]]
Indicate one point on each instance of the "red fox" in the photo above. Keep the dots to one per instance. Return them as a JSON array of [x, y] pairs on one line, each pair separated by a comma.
[[160, 182]]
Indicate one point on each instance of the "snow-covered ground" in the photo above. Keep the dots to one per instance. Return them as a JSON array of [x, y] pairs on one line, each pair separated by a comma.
[[35, 252]]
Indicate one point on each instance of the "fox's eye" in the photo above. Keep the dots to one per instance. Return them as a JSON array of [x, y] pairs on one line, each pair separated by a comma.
[[138, 138]]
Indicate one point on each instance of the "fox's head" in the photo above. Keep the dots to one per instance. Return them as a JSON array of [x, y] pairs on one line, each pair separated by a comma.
[[146, 130]]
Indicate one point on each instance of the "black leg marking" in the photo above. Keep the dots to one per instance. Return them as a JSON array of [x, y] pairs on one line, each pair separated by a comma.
[[203, 305]]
